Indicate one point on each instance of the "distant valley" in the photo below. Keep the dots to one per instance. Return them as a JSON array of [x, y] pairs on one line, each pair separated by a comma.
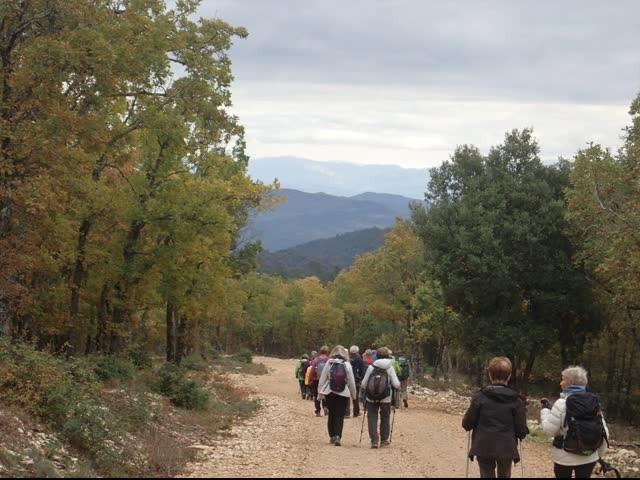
[[305, 217]]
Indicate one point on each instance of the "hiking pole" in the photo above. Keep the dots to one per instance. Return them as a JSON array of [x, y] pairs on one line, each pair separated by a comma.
[[466, 475], [521, 459], [364, 406], [392, 422]]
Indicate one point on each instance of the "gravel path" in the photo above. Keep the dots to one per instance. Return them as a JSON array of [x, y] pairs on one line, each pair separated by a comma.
[[285, 439]]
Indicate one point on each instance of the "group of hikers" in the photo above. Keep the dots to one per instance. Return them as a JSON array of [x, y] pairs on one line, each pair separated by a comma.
[[496, 418], [338, 381]]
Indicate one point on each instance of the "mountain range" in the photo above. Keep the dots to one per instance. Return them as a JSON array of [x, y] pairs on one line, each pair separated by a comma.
[[339, 178], [322, 258], [305, 217]]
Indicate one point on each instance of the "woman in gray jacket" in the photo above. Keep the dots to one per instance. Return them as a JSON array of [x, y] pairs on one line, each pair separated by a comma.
[[554, 424], [384, 405], [338, 387]]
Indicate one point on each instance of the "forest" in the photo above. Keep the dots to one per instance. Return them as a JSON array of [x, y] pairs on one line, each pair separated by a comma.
[[124, 193]]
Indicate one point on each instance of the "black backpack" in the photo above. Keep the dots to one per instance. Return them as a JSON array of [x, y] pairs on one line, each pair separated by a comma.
[[583, 419], [378, 385]]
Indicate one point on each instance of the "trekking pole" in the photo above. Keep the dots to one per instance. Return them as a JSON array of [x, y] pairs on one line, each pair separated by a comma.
[[521, 459], [466, 475], [392, 422], [364, 406]]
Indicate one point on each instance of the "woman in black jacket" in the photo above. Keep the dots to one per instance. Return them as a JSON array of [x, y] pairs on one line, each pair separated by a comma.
[[498, 419]]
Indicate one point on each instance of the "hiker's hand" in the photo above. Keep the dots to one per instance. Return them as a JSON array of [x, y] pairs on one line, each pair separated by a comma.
[[544, 403]]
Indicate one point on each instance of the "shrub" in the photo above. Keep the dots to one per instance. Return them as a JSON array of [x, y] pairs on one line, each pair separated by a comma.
[[194, 362], [171, 383], [109, 367], [245, 356]]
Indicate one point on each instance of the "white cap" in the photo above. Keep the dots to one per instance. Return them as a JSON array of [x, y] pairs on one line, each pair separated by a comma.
[[354, 349]]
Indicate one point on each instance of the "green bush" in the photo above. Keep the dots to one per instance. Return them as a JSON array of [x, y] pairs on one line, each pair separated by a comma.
[[245, 356], [194, 362], [141, 359], [109, 367], [171, 383]]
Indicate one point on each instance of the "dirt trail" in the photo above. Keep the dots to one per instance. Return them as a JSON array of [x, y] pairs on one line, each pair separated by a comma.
[[285, 439]]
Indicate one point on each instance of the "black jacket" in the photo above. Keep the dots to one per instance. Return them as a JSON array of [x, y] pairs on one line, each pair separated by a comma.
[[497, 417], [358, 366]]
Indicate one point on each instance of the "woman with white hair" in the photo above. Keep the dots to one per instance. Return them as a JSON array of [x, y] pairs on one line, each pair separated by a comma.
[[576, 424], [338, 387]]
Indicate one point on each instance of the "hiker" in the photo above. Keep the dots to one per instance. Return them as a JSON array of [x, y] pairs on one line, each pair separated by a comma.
[[308, 376], [575, 411], [317, 368], [301, 370], [359, 369], [497, 416], [337, 388], [368, 358], [376, 391], [405, 373]]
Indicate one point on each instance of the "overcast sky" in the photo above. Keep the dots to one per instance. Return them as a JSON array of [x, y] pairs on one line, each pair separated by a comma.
[[403, 82]]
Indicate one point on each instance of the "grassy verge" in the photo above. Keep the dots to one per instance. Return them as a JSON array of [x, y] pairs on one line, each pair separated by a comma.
[[101, 416]]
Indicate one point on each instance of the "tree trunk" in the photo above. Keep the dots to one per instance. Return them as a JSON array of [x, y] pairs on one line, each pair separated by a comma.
[[171, 336], [181, 322], [528, 369], [79, 273], [104, 313]]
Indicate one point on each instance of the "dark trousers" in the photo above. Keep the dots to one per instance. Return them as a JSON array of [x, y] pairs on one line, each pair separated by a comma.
[[303, 389], [356, 403], [314, 392], [581, 471], [372, 421], [488, 467], [337, 405]]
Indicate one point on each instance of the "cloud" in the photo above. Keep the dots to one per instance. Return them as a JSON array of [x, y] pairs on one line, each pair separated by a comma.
[[406, 81]]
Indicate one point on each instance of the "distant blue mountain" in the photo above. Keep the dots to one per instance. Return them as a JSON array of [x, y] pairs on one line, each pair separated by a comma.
[[344, 179], [312, 216]]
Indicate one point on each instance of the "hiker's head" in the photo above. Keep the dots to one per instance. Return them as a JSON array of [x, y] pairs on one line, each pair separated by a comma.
[[382, 352], [340, 351], [499, 369], [305, 356], [574, 375], [314, 354], [354, 349], [400, 353], [367, 352], [324, 350]]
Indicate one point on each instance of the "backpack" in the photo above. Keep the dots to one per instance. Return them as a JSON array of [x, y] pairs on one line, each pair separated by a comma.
[[337, 377], [308, 377], [583, 419], [378, 385], [304, 365], [404, 368], [319, 368]]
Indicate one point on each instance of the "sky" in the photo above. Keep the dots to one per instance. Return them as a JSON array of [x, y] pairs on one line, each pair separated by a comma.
[[404, 82]]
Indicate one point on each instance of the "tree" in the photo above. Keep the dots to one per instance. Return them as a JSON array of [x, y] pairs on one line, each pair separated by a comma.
[[494, 239]]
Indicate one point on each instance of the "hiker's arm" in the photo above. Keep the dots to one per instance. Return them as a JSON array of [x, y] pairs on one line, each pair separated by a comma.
[[521, 420], [552, 420], [298, 370], [352, 382], [363, 385], [605, 445], [470, 420], [394, 379]]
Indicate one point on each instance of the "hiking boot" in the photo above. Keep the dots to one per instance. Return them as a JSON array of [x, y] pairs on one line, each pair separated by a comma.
[[406, 403], [337, 441], [332, 440], [374, 445], [384, 443], [318, 414]]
